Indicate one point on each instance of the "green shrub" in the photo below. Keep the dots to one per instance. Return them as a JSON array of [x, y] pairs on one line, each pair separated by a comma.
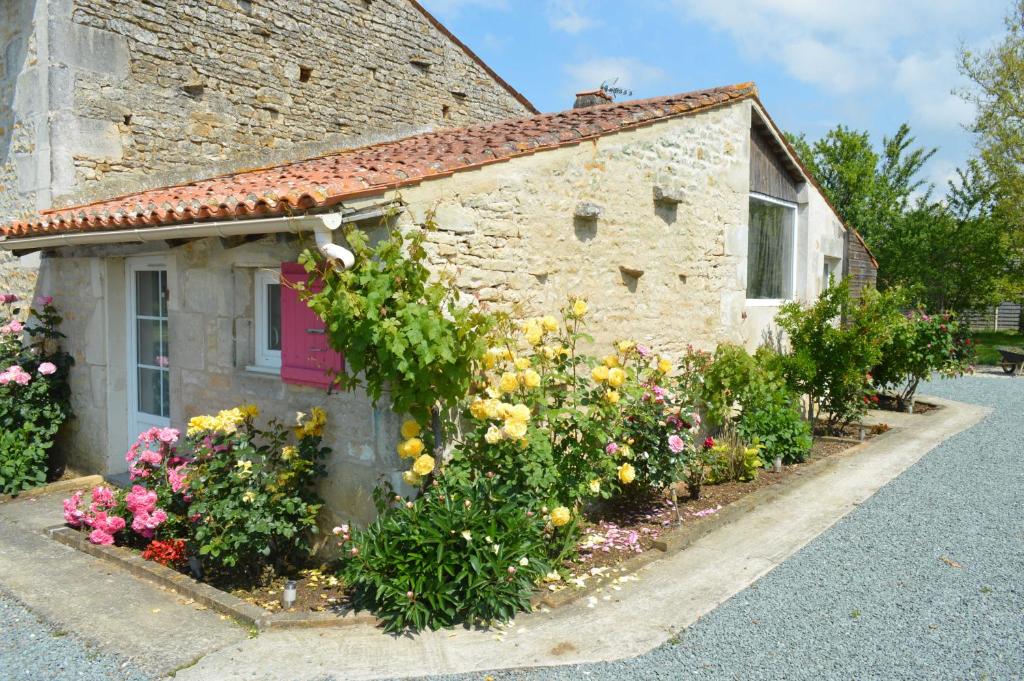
[[34, 393], [920, 345], [836, 341], [730, 458], [461, 552], [751, 394], [252, 493]]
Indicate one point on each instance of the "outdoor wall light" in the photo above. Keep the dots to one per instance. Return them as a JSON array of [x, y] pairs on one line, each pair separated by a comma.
[[288, 594]]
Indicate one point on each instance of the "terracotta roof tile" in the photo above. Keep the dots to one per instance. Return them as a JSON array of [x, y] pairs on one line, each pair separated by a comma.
[[331, 179]]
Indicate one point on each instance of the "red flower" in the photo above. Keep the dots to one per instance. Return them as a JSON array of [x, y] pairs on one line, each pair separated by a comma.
[[170, 552], [709, 442]]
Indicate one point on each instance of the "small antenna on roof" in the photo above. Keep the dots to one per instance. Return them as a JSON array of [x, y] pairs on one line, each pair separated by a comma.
[[608, 87]]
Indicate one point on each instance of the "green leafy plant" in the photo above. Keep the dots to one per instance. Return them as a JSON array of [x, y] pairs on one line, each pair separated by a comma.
[[34, 392], [920, 345], [253, 502], [730, 458], [464, 551], [836, 341], [400, 328], [750, 393]]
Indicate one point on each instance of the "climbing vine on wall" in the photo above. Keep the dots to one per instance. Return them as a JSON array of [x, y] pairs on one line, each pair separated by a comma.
[[399, 325]]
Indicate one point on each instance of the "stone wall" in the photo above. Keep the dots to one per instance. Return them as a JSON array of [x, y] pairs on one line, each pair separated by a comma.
[[662, 273], [22, 133], [167, 92], [104, 97]]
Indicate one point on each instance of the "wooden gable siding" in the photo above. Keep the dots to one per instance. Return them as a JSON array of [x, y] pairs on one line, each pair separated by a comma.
[[768, 173], [858, 266]]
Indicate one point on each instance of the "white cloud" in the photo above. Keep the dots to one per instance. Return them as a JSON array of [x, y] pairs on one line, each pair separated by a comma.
[[569, 16], [902, 48], [927, 86], [631, 73]]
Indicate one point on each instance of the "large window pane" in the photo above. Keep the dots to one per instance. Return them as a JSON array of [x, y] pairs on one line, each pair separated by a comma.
[[273, 316], [769, 250]]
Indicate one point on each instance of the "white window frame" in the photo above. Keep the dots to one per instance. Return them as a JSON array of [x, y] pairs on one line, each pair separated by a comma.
[[775, 302], [139, 421], [265, 359]]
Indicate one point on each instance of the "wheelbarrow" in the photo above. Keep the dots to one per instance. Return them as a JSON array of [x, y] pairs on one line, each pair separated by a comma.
[[1013, 359]]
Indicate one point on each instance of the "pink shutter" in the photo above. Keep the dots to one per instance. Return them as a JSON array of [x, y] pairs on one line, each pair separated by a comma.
[[306, 357]]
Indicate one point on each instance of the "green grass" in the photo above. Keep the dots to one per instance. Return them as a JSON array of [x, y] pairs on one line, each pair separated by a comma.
[[986, 342]]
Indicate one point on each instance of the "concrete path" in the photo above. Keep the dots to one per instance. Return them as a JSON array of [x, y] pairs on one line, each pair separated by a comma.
[[668, 596], [153, 630]]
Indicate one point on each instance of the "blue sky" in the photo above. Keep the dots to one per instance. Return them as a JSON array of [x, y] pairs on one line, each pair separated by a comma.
[[869, 64]]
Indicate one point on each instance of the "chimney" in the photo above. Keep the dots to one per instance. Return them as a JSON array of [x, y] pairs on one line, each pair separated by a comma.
[[591, 98]]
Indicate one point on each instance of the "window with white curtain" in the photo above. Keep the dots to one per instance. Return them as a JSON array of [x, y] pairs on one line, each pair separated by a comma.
[[771, 249]]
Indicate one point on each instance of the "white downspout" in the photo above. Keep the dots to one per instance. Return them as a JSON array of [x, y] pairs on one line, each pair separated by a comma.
[[324, 234]]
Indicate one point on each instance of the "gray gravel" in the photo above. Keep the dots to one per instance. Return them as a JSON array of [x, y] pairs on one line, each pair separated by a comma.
[[32, 650], [924, 580]]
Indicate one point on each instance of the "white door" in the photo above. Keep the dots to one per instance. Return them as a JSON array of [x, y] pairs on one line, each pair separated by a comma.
[[148, 359]]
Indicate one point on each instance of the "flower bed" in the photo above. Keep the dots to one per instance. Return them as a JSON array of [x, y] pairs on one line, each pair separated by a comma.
[[616, 534], [230, 504]]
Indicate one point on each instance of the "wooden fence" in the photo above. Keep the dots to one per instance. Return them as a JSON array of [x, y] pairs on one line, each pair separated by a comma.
[[1003, 317]]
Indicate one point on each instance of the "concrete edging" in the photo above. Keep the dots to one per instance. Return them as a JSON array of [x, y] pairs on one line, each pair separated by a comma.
[[209, 596]]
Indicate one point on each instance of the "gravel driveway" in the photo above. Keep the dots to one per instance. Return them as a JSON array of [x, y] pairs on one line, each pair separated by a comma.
[[924, 580], [31, 649]]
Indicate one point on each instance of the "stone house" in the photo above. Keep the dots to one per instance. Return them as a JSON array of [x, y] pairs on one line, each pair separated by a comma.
[[684, 219], [104, 97]]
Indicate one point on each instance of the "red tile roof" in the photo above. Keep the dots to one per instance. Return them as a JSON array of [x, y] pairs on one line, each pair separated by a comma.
[[365, 171]]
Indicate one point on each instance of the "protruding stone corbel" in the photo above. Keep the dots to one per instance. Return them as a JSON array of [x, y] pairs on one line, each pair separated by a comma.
[[586, 210], [666, 195]]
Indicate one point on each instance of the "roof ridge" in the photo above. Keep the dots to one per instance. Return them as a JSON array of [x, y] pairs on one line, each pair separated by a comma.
[[328, 179]]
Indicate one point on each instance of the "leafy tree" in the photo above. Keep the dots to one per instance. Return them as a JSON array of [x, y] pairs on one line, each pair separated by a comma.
[[997, 75], [870, 189], [952, 254]]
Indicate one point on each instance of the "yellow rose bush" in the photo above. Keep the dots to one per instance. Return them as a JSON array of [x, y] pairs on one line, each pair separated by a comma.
[[564, 428], [545, 431]]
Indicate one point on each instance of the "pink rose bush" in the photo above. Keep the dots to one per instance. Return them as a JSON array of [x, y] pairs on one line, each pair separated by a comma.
[[13, 326], [100, 515], [246, 473], [34, 394], [15, 374], [153, 461]]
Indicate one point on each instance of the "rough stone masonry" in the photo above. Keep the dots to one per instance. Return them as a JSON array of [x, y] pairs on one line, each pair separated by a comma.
[[103, 97]]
